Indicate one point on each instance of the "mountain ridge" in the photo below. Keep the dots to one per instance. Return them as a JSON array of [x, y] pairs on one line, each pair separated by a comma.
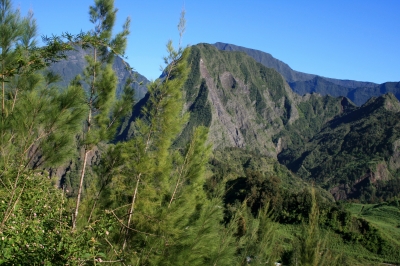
[[75, 63], [352, 151], [357, 91], [249, 106], [290, 75]]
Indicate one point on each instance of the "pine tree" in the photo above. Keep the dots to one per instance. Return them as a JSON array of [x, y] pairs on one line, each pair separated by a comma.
[[38, 125], [38, 121], [155, 193], [148, 162], [311, 245], [256, 236], [104, 111]]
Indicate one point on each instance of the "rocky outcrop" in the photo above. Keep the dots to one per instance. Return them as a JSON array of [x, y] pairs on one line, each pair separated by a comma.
[[394, 161], [223, 127], [347, 191]]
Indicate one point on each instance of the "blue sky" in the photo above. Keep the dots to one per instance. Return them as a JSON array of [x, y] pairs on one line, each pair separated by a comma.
[[356, 39]]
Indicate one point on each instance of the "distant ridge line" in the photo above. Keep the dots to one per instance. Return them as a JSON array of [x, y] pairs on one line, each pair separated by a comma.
[[285, 70]]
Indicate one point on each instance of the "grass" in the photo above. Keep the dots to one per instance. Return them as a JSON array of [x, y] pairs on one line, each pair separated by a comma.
[[384, 217], [349, 253]]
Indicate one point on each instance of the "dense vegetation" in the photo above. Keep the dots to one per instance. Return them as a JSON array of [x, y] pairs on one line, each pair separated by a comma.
[[84, 182], [355, 148]]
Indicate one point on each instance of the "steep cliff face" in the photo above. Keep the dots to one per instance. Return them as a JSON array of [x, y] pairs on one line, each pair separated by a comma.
[[248, 103]]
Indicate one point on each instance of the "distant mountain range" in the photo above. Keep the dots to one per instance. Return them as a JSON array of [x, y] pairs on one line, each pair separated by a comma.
[[75, 63], [302, 83]]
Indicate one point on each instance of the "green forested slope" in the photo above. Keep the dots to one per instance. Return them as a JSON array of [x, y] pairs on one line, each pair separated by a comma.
[[353, 151]]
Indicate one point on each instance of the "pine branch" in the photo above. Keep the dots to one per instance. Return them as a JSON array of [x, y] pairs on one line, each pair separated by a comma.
[[78, 199], [188, 153], [159, 102], [131, 209], [132, 229]]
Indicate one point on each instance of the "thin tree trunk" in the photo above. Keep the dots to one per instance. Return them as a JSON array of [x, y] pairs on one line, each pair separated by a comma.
[[15, 99], [131, 210], [78, 199], [89, 121], [181, 172], [92, 210], [2, 99], [136, 190], [149, 136], [11, 203]]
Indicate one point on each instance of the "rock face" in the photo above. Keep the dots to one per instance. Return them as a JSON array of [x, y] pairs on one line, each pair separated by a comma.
[[223, 126], [249, 103]]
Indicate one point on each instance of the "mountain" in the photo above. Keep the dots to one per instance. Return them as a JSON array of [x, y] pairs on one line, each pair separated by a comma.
[[289, 74], [267, 60], [323, 139], [269, 144], [353, 151], [358, 95], [75, 63], [301, 83], [319, 85], [246, 106], [362, 95], [249, 110], [244, 103]]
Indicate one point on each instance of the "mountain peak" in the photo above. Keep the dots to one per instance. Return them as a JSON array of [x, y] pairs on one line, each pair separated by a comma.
[[357, 91]]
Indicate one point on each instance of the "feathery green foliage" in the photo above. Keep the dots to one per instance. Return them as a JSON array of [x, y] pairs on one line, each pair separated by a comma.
[[38, 122], [38, 125], [149, 148], [156, 193], [105, 111], [156, 199], [311, 245], [38, 232], [257, 237]]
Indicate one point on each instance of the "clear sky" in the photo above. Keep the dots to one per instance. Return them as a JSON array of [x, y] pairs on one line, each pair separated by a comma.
[[357, 39]]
